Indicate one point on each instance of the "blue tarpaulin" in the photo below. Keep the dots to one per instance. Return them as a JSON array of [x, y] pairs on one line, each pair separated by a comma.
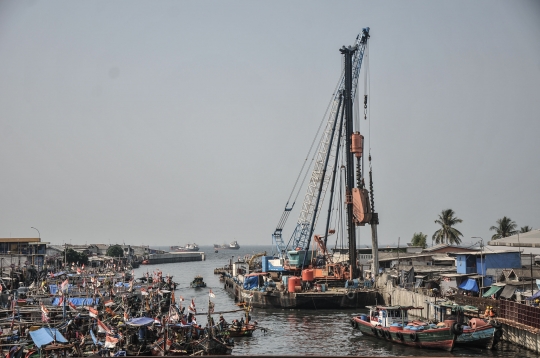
[[469, 285], [140, 321], [536, 295], [77, 301], [251, 282], [54, 288], [46, 335]]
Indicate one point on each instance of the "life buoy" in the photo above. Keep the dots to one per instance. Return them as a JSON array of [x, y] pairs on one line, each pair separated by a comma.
[[350, 295], [457, 329], [413, 336]]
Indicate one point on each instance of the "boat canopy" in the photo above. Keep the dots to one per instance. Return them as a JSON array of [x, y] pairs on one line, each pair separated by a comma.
[[492, 290], [46, 335], [77, 301], [536, 295], [140, 321], [404, 308], [469, 285]]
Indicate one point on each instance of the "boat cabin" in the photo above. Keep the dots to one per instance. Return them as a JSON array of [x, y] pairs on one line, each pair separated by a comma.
[[386, 316]]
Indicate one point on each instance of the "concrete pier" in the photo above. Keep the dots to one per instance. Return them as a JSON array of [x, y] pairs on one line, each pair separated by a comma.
[[175, 257]]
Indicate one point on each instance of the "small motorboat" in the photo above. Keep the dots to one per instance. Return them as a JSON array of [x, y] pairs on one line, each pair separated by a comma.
[[145, 262], [197, 282]]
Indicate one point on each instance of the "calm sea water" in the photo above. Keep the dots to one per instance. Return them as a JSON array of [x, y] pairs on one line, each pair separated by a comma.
[[294, 332]]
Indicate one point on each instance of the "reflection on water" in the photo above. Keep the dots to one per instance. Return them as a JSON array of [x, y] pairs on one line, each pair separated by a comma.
[[295, 332]]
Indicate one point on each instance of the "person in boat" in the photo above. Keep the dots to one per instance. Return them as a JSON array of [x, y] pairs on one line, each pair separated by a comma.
[[222, 322]]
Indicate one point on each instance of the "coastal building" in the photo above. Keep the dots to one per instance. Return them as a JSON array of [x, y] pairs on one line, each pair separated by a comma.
[[22, 251]]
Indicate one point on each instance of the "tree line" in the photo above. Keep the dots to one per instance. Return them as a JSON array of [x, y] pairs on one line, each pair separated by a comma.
[[448, 234]]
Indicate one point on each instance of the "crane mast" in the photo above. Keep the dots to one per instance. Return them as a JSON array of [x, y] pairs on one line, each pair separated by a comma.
[[324, 162]]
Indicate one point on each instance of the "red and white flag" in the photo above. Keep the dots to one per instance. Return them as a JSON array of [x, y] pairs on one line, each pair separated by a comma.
[[65, 285], [93, 312], [44, 313], [103, 328], [72, 305], [192, 307], [211, 294], [110, 342]]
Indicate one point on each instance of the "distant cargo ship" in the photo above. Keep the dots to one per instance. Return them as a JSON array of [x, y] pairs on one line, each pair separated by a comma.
[[232, 246], [187, 248]]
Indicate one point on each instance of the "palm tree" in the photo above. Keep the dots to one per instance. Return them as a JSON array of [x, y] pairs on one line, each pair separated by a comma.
[[447, 233], [419, 239], [506, 227], [525, 229]]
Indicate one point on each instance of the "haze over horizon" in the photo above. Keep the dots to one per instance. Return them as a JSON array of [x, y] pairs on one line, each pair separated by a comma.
[[164, 123]]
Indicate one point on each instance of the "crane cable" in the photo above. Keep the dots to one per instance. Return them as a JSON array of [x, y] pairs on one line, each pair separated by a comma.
[[312, 144]]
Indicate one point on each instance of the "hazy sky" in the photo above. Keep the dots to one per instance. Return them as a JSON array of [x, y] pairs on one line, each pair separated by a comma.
[[168, 122]]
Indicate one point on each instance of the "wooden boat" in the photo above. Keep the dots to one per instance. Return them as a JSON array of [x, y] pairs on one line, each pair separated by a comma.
[[477, 332], [197, 282], [391, 323]]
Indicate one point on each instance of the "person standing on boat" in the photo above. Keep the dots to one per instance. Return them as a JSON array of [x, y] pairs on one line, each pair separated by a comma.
[[222, 322]]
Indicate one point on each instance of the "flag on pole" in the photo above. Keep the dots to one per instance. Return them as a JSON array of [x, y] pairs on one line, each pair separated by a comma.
[[211, 294], [192, 307], [44, 313], [102, 327], [110, 342], [65, 285]]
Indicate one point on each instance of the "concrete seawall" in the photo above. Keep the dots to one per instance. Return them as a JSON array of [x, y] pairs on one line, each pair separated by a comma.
[[175, 257], [516, 333]]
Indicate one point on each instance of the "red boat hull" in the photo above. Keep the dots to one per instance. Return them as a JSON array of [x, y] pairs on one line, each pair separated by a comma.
[[439, 338]]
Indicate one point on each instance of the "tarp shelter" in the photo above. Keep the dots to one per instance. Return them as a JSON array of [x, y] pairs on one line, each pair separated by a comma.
[[492, 291], [508, 291], [77, 301], [469, 285], [140, 321], [536, 295], [251, 282], [44, 336]]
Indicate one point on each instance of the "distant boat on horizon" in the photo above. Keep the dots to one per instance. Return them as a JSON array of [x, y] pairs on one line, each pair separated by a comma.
[[232, 246], [187, 248]]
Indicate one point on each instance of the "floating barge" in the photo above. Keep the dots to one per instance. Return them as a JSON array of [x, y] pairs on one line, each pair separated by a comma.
[[175, 257], [332, 299]]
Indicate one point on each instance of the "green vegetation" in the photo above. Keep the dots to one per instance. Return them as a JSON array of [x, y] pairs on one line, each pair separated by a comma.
[[419, 239], [74, 257], [505, 227], [447, 233], [115, 251], [525, 229]]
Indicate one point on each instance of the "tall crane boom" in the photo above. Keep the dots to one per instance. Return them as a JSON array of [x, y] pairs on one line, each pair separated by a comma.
[[319, 181]]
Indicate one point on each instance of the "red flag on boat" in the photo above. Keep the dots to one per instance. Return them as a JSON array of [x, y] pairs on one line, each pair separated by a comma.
[[93, 312], [65, 285], [72, 305], [103, 328], [110, 342], [192, 306]]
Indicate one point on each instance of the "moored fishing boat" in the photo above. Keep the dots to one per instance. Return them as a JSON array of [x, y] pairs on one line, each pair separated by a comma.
[[197, 282], [477, 332], [391, 323]]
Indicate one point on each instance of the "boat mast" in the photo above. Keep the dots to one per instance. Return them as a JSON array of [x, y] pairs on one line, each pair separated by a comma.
[[348, 53]]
